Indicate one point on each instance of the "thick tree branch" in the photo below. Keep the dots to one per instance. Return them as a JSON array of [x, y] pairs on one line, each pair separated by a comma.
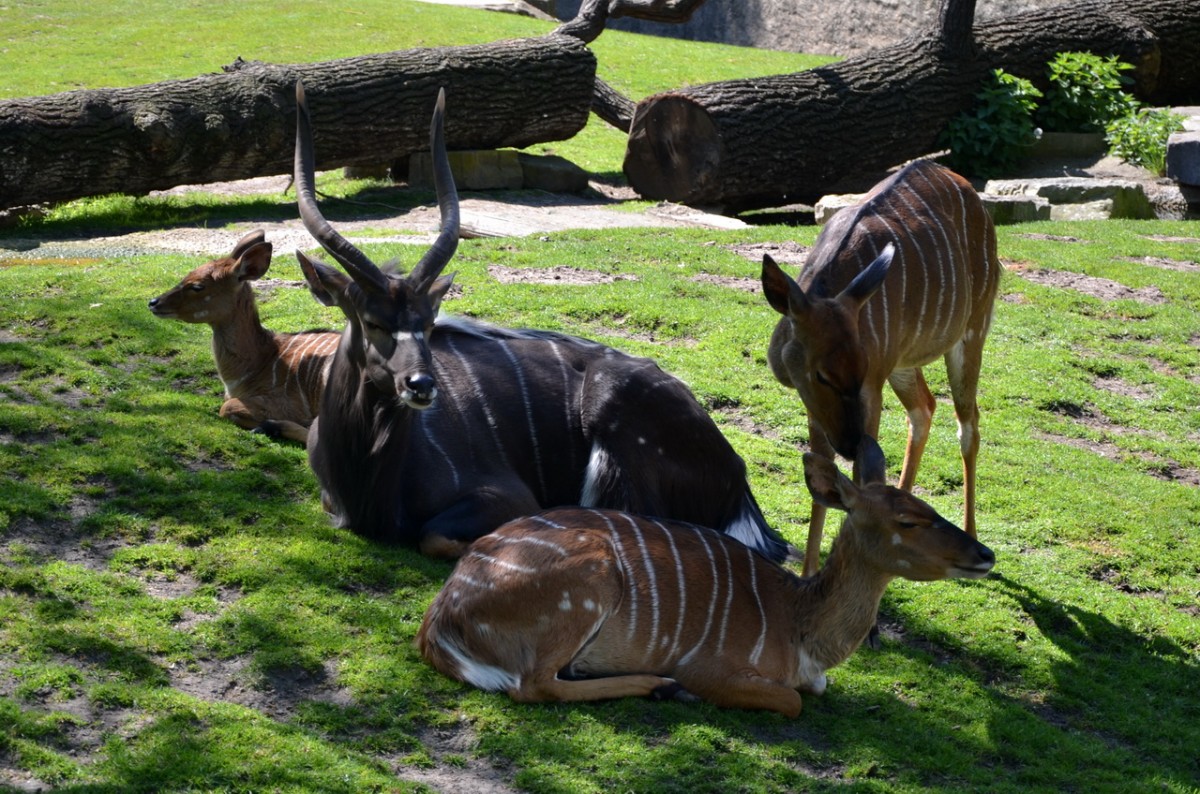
[[792, 138]]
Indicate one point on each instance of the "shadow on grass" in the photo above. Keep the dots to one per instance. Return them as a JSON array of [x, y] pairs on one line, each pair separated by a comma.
[[1130, 691], [113, 215]]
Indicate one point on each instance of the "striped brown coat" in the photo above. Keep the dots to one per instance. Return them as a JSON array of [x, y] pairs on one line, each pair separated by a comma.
[[908, 276], [588, 604]]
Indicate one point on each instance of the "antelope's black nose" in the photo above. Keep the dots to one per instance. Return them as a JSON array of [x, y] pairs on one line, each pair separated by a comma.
[[421, 386]]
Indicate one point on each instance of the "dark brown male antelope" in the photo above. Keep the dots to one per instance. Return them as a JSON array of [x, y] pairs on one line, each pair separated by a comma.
[[436, 433], [909, 275], [273, 382], [580, 604]]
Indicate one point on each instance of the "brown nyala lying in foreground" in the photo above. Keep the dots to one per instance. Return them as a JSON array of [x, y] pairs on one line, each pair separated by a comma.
[[273, 382], [577, 604]]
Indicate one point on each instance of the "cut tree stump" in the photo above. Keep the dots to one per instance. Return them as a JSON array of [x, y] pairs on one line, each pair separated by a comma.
[[366, 110], [792, 138]]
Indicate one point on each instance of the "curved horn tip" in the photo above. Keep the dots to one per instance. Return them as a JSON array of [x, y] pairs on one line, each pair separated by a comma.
[[300, 91]]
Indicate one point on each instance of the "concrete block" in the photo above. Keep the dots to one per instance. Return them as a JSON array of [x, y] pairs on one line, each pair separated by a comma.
[[1015, 209], [473, 170], [1100, 210], [552, 173], [1183, 157], [1127, 197], [830, 205]]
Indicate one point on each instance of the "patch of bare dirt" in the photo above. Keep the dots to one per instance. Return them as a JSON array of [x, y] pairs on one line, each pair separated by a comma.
[[560, 274], [740, 420], [1122, 388], [1101, 288], [787, 252], [1164, 263], [455, 769], [277, 694], [745, 284]]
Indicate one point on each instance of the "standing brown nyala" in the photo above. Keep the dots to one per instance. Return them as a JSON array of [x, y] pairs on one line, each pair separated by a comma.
[[907, 276]]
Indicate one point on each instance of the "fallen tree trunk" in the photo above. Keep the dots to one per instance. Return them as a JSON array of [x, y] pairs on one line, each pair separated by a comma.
[[365, 110], [793, 138]]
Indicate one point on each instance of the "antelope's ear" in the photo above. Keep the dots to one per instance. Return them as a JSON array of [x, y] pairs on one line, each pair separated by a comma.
[[328, 286], [441, 285], [864, 285], [870, 465], [783, 293], [827, 484], [254, 261]]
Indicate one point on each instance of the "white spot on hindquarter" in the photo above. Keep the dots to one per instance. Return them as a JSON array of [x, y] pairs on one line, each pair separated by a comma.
[[599, 464], [589, 605], [811, 674], [896, 539], [483, 676], [565, 604]]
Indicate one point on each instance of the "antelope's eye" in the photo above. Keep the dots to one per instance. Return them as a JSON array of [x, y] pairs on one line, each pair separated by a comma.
[[821, 379], [905, 523], [197, 287]]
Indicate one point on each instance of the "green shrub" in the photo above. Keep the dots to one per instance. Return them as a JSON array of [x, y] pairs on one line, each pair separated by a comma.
[[1086, 93], [994, 135], [1141, 138]]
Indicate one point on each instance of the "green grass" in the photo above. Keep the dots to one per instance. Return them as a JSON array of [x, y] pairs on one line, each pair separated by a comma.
[[176, 613]]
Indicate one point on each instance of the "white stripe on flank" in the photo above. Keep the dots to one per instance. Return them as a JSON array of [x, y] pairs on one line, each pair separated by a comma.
[[630, 583], [533, 435], [712, 601], [569, 410], [681, 590], [431, 440], [480, 400], [539, 542], [462, 578], [651, 582], [905, 194], [896, 237], [756, 654], [547, 522], [494, 562], [728, 597]]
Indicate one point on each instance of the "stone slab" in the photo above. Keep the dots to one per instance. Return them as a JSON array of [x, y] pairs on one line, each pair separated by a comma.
[[1183, 158]]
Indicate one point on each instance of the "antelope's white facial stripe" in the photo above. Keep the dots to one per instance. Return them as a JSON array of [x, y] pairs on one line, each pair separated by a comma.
[[404, 336]]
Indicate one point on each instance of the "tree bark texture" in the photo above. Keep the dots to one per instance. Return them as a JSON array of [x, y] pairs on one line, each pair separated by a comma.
[[241, 124], [769, 141]]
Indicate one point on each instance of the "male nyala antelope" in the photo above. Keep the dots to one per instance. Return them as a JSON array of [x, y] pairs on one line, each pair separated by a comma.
[[437, 432], [909, 275], [576, 604], [273, 382]]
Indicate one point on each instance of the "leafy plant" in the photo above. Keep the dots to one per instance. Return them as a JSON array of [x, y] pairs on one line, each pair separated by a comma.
[[1141, 138], [992, 137], [1086, 93]]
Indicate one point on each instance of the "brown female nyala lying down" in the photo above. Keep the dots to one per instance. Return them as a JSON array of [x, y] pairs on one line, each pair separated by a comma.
[[582, 604]]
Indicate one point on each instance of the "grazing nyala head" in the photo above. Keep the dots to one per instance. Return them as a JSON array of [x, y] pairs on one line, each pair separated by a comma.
[[892, 530], [390, 314], [824, 360], [210, 293]]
